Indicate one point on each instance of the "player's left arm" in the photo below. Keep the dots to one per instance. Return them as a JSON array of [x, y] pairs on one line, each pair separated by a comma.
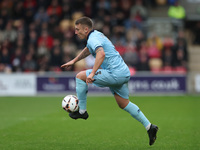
[[100, 55]]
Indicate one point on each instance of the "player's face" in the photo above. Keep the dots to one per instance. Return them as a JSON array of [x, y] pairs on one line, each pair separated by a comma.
[[81, 31]]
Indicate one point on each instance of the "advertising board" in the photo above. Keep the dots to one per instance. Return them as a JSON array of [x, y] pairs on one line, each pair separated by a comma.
[[137, 84], [17, 84]]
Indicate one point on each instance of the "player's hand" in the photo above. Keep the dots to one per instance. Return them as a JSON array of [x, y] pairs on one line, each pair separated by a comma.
[[90, 79], [70, 63]]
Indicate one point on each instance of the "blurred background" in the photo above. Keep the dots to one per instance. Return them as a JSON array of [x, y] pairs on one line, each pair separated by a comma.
[[160, 37]]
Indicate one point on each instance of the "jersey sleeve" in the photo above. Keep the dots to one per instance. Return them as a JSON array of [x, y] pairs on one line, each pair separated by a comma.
[[94, 44]]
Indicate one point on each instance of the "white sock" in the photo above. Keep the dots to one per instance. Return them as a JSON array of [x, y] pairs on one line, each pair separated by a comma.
[[148, 126], [82, 111]]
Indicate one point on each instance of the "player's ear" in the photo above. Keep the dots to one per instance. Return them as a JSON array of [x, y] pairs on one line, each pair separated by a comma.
[[86, 29]]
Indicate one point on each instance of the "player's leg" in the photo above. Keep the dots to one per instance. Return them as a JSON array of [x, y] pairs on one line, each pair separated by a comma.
[[133, 110], [102, 78], [121, 96], [81, 91]]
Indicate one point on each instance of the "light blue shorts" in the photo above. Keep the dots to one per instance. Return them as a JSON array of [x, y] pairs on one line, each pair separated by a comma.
[[118, 85]]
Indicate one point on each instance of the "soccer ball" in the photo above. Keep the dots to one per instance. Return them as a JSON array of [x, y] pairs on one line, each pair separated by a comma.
[[70, 103]]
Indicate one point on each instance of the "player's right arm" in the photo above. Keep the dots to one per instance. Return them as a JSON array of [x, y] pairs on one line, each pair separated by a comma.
[[84, 53]]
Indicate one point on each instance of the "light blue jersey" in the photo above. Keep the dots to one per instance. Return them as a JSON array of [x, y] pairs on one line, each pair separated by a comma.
[[115, 73], [113, 62]]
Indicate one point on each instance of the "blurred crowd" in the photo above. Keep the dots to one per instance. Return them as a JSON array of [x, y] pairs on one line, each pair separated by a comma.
[[38, 35]]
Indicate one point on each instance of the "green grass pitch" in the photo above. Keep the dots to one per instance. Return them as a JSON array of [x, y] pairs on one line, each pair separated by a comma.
[[39, 123]]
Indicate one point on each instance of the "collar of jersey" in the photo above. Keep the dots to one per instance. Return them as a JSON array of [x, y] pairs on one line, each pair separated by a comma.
[[90, 33]]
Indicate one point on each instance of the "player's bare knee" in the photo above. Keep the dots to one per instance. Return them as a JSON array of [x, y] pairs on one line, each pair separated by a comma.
[[81, 75], [122, 102]]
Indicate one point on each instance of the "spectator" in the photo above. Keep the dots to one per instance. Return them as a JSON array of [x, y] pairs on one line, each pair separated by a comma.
[[30, 4], [180, 54], [130, 56], [5, 56], [30, 9], [29, 64], [103, 4], [17, 59], [177, 13], [154, 46], [42, 50], [6, 44], [138, 15], [20, 27], [114, 8], [167, 56], [45, 39], [138, 11], [88, 8], [125, 6], [118, 36], [32, 50], [41, 16], [66, 10], [20, 43], [155, 40], [18, 10], [133, 35], [143, 64], [33, 38], [181, 37], [54, 9], [69, 49], [56, 58], [9, 33], [43, 63], [140, 39], [4, 18], [167, 53], [6, 4]]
